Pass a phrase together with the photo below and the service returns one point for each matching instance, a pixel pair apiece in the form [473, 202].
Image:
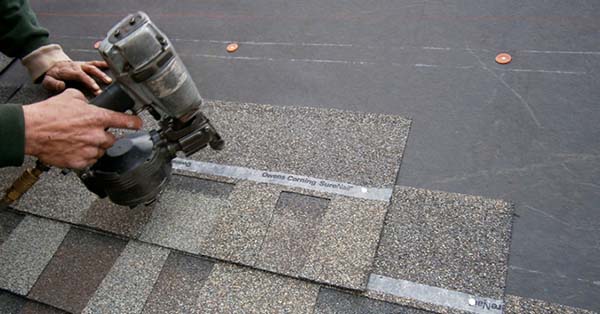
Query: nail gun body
[149, 76]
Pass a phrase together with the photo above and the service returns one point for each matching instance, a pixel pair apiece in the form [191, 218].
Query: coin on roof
[503, 58]
[233, 47]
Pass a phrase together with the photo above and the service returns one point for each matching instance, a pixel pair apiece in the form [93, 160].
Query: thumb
[52, 84]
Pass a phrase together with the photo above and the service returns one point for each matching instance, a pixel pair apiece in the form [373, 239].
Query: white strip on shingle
[27, 251]
[434, 295]
[286, 179]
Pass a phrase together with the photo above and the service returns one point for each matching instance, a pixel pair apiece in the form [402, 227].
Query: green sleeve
[12, 135]
[20, 33]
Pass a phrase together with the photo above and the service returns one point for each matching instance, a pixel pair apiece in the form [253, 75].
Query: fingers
[83, 77]
[119, 120]
[96, 72]
[107, 140]
[53, 85]
[73, 71]
[99, 64]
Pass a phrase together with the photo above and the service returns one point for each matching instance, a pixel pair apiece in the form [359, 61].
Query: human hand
[67, 132]
[62, 71]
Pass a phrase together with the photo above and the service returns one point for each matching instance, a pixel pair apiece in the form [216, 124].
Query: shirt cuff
[12, 135]
[42, 59]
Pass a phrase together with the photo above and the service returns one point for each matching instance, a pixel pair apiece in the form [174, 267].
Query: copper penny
[503, 58]
[233, 47]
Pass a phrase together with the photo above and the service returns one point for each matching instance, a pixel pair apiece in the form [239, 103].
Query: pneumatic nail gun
[149, 75]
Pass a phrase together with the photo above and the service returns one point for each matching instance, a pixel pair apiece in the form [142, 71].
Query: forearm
[20, 33]
[22, 37]
[12, 135]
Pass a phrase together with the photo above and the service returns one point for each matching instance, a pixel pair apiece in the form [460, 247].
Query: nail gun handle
[113, 98]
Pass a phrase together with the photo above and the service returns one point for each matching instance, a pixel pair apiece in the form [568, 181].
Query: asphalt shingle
[38, 308]
[76, 270]
[359, 148]
[346, 244]
[27, 251]
[9, 174]
[57, 196]
[8, 222]
[10, 303]
[30, 94]
[518, 305]
[186, 212]
[332, 301]
[117, 219]
[4, 61]
[446, 240]
[129, 282]
[234, 289]
[293, 228]
[178, 285]
[239, 232]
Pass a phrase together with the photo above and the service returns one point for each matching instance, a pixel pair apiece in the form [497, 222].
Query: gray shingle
[208, 188]
[292, 231]
[332, 301]
[29, 94]
[346, 244]
[57, 196]
[4, 61]
[359, 148]
[9, 174]
[520, 305]
[122, 220]
[76, 270]
[240, 230]
[184, 215]
[10, 303]
[38, 308]
[179, 284]
[27, 251]
[452, 241]
[8, 222]
[129, 282]
[234, 289]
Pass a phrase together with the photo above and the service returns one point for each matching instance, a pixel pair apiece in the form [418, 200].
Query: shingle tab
[333, 301]
[38, 308]
[27, 251]
[359, 148]
[240, 230]
[76, 270]
[346, 244]
[57, 196]
[234, 289]
[10, 303]
[446, 240]
[8, 222]
[184, 216]
[179, 284]
[129, 282]
[122, 220]
[292, 232]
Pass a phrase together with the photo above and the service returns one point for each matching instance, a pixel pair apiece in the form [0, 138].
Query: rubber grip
[113, 98]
